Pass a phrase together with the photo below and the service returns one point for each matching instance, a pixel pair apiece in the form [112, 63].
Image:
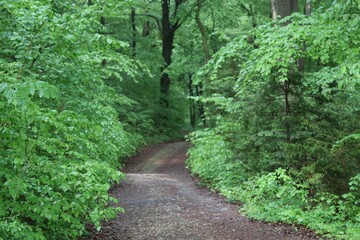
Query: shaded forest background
[269, 90]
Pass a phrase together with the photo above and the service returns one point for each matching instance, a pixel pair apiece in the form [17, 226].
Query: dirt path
[162, 202]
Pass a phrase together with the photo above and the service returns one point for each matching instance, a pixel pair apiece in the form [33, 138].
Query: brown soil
[162, 201]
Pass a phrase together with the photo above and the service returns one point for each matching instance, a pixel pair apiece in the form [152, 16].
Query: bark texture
[283, 8]
[133, 28]
[168, 34]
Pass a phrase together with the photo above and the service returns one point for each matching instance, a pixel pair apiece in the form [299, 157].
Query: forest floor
[162, 201]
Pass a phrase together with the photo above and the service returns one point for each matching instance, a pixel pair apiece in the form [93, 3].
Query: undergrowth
[274, 196]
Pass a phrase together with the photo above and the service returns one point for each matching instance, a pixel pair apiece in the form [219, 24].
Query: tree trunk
[202, 32]
[167, 47]
[133, 27]
[192, 102]
[204, 43]
[199, 93]
[307, 12]
[283, 8]
[252, 15]
[287, 93]
[308, 8]
[168, 34]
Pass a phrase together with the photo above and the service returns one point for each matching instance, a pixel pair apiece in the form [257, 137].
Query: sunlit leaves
[17, 93]
[60, 135]
[287, 95]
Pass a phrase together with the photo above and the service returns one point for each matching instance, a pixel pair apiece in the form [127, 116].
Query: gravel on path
[162, 201]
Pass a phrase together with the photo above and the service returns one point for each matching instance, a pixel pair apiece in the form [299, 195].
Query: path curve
[162, 201]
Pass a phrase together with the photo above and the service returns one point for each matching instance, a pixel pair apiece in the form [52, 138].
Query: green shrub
[213, 161]
[61, 138]
[276, 196]
[291, 130]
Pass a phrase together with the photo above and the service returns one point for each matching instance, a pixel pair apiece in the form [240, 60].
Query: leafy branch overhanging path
[162, 201]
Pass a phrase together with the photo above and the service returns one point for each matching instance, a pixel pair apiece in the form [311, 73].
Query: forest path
[162, 201]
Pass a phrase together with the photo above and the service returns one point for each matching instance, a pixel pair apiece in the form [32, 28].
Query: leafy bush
[57, 203]
[274, 192]
[61, 139]
[291, 130]
[277, 197]
[213, 161]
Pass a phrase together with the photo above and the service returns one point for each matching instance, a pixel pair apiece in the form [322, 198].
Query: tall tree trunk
[168, 34]
[308, 8]
[202, 31]
[252, 14]
[283, 8]
[192, 102]
[167, 48]
[307, 12]
[204, 43]
[133, 28]
[199, 93]
[287, 93]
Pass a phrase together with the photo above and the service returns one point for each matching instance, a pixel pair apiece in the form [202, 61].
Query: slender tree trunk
[253, 18]
[204, 43]
[287, 110]
[307, 12]
[133, 27]
[199, 93]
[192, 102]
[168, 34]
[103, 23]
[102, 20]
[202, 31]
[281, 9]
[146, 29]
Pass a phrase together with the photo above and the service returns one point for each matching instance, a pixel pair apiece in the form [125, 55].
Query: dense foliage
[282, 131]
[70, 109]
[85, 83]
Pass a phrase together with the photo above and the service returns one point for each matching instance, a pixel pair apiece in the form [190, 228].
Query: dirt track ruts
[162, 201]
